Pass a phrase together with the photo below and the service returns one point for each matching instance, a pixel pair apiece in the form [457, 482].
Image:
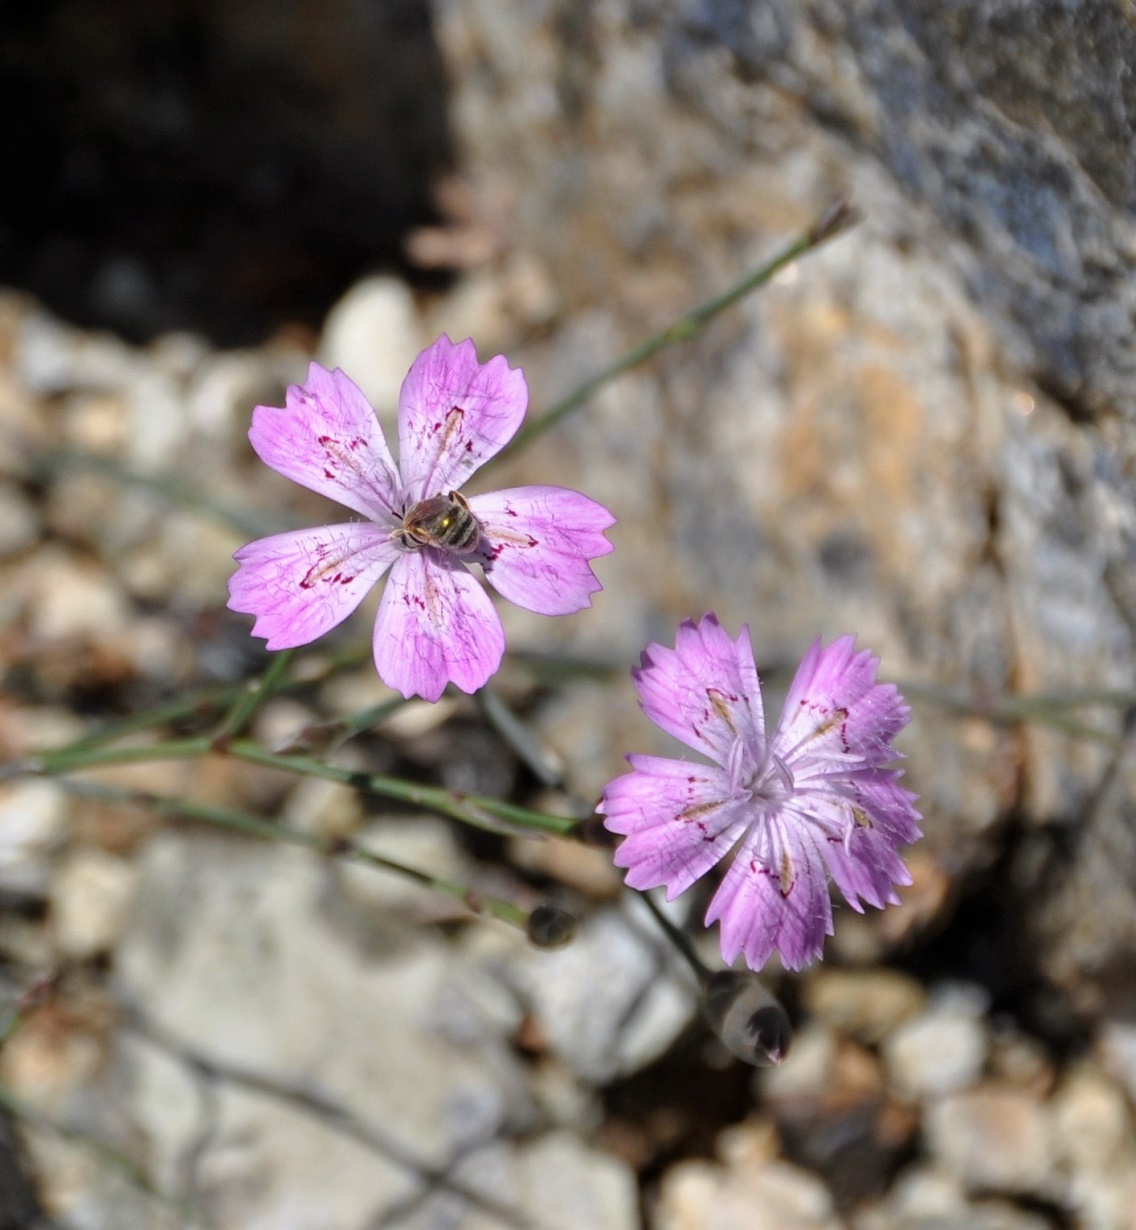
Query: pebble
[808, 1070]
[1092, 1126]
[373, 333]
[421, 842]
[225, 388]
[995, 1139]
[52, 357]
[323, 808]
[864, 1004]
[33, 822]
[936, 1052]
[697, 1195]
[611, 1001]
[90, 897]
[565, 1184]
[72, 598]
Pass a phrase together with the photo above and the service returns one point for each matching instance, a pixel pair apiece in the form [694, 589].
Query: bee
[442, 521]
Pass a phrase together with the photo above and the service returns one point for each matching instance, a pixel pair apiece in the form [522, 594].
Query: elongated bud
[550, 926]
[750, 1022]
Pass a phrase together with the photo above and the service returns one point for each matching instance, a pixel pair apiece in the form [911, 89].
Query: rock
[302, 1007]
[611, 1001]
[698, 1195]
[323, 809]
[995, 1139]
[866, 1005]
[840, 1122]
[425, 843]
[923, 434]
[70, 598]
[926, 1199]
[808, 1070]
[33, 822]
[374, 334]
[564, 1184]
[1096, 1144]
[91, 895]
[940, 1050]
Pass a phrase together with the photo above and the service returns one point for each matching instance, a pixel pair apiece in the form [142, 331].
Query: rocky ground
[223, 1031]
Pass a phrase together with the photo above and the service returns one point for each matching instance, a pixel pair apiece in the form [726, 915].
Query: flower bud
[550, 926]
[750, 1022]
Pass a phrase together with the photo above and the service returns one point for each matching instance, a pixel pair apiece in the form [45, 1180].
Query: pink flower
[814, 800]
[436, 624]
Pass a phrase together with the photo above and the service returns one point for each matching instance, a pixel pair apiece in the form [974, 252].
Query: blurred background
[922, 433]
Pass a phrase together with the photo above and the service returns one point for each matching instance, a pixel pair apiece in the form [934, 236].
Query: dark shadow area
[226, 166]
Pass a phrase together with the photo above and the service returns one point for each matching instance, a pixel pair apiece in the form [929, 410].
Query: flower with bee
[435, 624]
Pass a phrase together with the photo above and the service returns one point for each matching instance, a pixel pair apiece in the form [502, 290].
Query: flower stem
[678, 939]
[1044, 708]
[338, 848]
[478, 810]
[837, 218]
[251, 696]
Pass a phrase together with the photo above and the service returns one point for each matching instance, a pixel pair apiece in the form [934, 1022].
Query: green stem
[475, 809]
[200, 703]
[836, 219]
[1042, 708]
[338, 848]
[251, 696]
[679, 939]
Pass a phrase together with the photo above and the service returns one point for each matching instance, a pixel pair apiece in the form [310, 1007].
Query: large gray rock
[923, 433]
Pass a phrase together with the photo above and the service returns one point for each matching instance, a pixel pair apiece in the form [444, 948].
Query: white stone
[776, 1196]
[994, 1138]
[423, 843]
[610, 1001]
[90, 897]
[374, 334]
[924, 1192]
[33, 821]
[567, 1185]
[935, 1052]
[71, 598]
[323, 808]
[237, 949]
[808, 1068]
